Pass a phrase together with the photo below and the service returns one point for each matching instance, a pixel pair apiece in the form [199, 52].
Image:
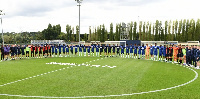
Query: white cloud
[35, 15]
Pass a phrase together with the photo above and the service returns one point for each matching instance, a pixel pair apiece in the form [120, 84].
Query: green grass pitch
[35, 78]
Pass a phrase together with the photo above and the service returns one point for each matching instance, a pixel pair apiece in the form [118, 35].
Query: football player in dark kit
[71, 49]
[32, 51]
[188, 56]
[40, 50]
[22, 50]
[64, 49]
[113, 49]
[49, 50]
[15, 50]
[27, 51]
[36, 51]
[198, 57]
[109, 50]
[101, 50]
[118, 48]
[18, 52]
[105, 51]
[12, 49]
[2, 53]
[180, 54]
[192, 55]
[170, 53]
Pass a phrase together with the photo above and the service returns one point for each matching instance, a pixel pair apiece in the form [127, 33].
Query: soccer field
[93, 77]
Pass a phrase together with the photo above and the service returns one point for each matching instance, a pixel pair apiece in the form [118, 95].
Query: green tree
[169, 38]
[157, 35]
[117, 37]
[131, 31]
[68, 30]
[77, 33]
[197, 31]
[135, 31]
[144, 32]
[140, 31]
[166, 34]
[111, 32]
[178, 37]
[150, 35]
[183, 38]
[85, 37]
[90, 34]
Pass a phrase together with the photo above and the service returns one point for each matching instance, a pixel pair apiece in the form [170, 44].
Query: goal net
[119, 43]
[192, 42]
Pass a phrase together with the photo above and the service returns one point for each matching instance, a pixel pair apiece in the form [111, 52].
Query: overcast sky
[35, 15]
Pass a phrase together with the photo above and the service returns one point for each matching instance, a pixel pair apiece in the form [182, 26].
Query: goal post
[119, 43]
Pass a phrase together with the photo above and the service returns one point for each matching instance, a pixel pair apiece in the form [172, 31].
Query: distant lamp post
[79, 4]
[1, 13]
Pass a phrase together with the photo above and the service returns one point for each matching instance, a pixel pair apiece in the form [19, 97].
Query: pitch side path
[96, 77]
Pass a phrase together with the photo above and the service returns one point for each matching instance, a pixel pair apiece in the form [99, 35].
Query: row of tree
[182, 30]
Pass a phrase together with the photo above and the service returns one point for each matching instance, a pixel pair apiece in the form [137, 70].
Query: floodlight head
[79, 1]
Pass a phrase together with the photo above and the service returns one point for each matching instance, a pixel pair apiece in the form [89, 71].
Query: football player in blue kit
[160, 52]
[155, 52]
[80, 50]
[122, 50]
[139, 50]
[52, 49]
[59, 47]
[135, 51]
[88, 50]
[67, 50]
[84, 50]
[143, 51]
[76, 49]
[56, 50]
[92, 49]
[131, 51]
[127, 51]
[97, 50]
[63, 48]
[151, 52]
[164, 53]
[71, 49]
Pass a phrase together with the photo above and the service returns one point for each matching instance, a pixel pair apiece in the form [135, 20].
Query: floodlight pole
[1, 24]
[79, 4]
